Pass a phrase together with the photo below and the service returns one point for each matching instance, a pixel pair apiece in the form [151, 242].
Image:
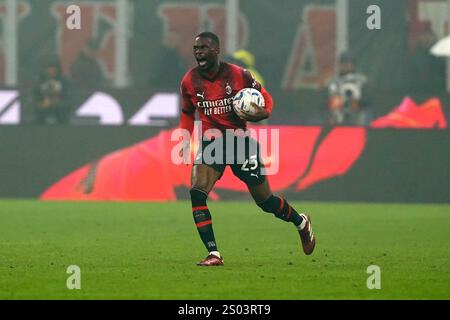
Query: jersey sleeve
[267, 99]
[250, 81]
[187, 116]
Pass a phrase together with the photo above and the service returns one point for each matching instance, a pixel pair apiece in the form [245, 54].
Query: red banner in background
[408, 114]
[145, 171]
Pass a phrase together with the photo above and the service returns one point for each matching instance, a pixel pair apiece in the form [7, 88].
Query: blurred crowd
[349, 92]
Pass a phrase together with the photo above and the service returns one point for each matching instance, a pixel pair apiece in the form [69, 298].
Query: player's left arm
[261, 113]
[258, 113]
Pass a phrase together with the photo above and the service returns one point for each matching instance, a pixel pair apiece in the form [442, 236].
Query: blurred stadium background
[121, 74]
[122, 71]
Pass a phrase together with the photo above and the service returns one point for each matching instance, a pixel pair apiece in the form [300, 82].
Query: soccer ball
[243, 99]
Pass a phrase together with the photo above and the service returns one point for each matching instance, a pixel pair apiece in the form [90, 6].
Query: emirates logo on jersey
[215, 103]
[215, 107]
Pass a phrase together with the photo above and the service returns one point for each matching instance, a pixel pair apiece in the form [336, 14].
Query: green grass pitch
[149, 251]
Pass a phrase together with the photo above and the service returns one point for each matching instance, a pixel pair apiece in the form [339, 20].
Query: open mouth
[202, 62]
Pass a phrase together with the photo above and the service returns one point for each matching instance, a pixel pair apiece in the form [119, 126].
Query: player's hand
[335, 102]
[46, 103]
[185, 151]
[258, 114]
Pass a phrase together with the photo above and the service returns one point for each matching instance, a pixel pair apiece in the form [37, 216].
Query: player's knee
[198, 194]
[201, 184]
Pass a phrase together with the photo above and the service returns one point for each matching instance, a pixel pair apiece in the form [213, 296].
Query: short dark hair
[211, 36]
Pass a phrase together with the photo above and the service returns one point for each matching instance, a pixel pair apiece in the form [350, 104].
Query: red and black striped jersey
[213, 98]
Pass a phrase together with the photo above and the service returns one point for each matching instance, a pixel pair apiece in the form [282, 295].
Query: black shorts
[242, 154]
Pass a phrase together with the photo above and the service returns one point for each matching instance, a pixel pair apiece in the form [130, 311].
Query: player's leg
[282, 210]
[41, 115]
[337, 116]
[203, 179]
[250, 172]
[62, 113]
[278, 206]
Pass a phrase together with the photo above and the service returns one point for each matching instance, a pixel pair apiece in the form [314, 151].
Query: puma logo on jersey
[254, 175]
[202, 95]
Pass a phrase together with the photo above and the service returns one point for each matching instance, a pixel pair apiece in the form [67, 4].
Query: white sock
[216, 253]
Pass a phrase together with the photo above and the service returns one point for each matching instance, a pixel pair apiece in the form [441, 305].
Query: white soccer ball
[243, 99]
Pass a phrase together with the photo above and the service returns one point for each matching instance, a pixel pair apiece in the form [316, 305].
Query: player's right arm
[187, 116]
[335, 100]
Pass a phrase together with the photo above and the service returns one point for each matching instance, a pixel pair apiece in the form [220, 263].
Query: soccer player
[209, 89]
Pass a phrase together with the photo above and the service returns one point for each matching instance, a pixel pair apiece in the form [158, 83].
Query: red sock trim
[281, 205]
[199, 208]
[203, 223]
[289, 213]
